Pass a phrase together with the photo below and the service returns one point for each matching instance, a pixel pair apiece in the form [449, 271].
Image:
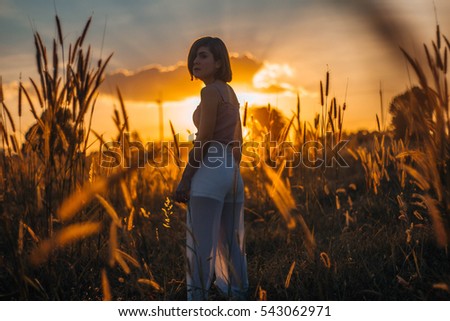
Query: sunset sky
[279, 48]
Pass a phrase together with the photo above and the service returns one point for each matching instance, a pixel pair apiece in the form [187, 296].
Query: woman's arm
[207, 125]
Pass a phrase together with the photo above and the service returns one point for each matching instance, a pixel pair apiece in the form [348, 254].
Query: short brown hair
[219, 52]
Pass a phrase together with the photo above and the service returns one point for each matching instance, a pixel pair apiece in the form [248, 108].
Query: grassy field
[79, 225]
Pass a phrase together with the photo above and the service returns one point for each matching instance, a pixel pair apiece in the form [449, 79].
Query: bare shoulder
[209, 91]
[209, 97]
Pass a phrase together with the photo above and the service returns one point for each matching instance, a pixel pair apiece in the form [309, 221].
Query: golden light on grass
[262, 294]
[325, 259]
[30, 232]
[289, 275]
[425, 174]
[112, 244]
[66, 236]
[119, 259]
[109, 210]
[281, 194]
[22, 228]
[338, 204]
[438, 224]
[126, 194]
[441, 286]
[418, 215]
[75, 232]
[78, 200]
[128, 258]
[348, 218]
[151, 283]
[106, 289]
[130, 220]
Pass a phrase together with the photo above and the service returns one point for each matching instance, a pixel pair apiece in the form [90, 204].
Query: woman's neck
[209, 81]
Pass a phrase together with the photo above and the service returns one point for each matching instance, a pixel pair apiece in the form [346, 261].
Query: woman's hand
[182, 191]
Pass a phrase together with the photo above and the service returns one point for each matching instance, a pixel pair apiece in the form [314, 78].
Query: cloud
[244, 68]
[172, 83]
[274, 78]
[152, 83]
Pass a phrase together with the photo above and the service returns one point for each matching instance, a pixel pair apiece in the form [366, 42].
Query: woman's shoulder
[223, 90]
[210, 91]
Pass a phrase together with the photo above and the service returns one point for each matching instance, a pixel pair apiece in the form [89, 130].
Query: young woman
[211, 183]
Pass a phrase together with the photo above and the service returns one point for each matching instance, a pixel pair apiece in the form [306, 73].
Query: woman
[211, 183]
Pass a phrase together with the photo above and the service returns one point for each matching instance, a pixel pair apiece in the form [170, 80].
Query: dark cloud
[173, 84]
[152, 83]
[244, 68]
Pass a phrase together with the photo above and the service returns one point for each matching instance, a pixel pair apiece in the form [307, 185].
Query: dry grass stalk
[325, 259]
[110, 210]
[431, 122]
[113, 244]
[338, 203]
[441, 286]
[30, 232]
[66, 236]
[78, 200]
[438, 224]
[151, 283]
[420, 181]
[126, 194]
[20, 238]
[130, 220]
[281, 194]
[244, 122]
[289, 275]
[262, 294]
[124, 111]
[299, 123]
[177, 155]
[8, 114]
[119, 259]
[106, 289]
[426, 171]
[128, 258]
[310, 241]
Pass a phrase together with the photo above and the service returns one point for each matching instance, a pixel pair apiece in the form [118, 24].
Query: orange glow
[256, 83]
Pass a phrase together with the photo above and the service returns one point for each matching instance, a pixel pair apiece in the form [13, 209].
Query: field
[366, 220]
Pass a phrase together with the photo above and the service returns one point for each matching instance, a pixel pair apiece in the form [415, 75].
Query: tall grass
[56, 197]
[422, 156]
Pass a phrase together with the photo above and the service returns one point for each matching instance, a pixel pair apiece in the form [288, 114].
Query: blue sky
[305, 37]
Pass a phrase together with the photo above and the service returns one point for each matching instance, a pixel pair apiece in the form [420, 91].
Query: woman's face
[204, 66]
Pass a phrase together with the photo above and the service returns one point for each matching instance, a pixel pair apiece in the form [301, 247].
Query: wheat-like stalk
[66, 236]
